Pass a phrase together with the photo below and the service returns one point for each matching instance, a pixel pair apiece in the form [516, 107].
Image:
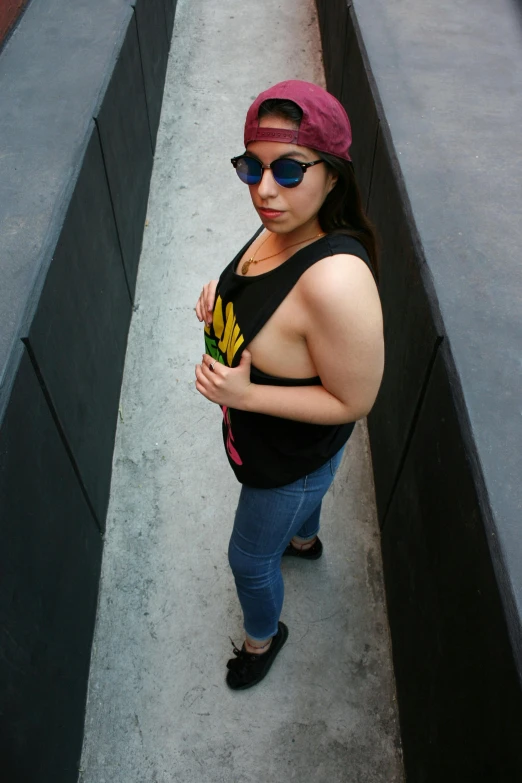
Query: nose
[268, 187]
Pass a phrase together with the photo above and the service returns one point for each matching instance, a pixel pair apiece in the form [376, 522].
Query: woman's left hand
[225, 385]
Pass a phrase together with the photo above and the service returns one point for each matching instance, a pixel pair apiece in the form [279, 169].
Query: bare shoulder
[343, 329]
[338, 279]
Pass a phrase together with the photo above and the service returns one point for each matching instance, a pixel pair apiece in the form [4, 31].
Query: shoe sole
[278, 645]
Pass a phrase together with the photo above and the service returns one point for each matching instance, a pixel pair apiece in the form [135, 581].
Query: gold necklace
[253, 260]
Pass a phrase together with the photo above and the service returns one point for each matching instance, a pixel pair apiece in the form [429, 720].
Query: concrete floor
[158, 707]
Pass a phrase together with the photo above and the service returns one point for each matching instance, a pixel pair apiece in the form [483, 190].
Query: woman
[294, 347]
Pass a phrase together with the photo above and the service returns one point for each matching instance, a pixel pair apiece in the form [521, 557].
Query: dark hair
[342, 211]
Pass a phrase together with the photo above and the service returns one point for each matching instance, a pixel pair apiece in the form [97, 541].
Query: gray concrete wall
[158, 707]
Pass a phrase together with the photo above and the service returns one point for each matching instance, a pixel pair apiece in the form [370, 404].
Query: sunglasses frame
[303, 166]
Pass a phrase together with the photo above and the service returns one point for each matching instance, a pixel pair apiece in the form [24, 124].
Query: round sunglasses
[287, 172]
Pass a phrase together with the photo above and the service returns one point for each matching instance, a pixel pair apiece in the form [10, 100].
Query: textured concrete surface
[158, 707]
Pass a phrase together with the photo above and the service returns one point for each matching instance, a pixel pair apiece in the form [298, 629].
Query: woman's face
[283, 210]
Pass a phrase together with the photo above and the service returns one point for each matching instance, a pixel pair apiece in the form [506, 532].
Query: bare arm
[311, 404]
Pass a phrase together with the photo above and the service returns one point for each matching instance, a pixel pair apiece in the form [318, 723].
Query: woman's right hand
[205, 303]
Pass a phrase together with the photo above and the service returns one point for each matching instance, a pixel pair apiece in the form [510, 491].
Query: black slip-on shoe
[248, 669]
[312, 553]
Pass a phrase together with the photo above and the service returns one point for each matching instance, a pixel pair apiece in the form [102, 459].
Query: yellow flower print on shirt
[227, 333]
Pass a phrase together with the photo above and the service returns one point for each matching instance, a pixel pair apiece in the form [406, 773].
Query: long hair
[342, 211]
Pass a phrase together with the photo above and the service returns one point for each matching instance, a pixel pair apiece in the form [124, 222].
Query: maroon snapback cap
[325, 126]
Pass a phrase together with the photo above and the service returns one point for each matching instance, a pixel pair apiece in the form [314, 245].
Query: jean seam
[301, 501]
[272, 590]
[272, 598]
[298, 509]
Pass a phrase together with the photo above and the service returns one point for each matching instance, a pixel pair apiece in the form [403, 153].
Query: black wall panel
[154, 48]
[459, 696]
[356, 97]
[79, 332]
[333, 18]
[346, 78]
[322, 15]
[49, 564]
[409, 329]
[127, 149]
[170, 10]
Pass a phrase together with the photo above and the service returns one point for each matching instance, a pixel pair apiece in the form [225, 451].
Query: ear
[333, 176]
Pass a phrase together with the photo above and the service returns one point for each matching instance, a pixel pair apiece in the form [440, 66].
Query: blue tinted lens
[249, 170]
[287, 173]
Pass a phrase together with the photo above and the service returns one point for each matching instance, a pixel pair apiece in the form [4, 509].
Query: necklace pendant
[246, 266]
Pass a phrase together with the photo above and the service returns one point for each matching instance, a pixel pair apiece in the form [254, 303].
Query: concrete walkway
[158, 707]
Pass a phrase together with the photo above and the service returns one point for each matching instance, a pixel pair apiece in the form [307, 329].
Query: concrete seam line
[122, 257]
[344, 53]
[413, 424]
[504, 582]
[143, 79]
[60, 430]
[377, 134]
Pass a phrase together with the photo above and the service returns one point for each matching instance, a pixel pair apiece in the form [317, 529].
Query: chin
[274, 226]
[275, 229]
[277, 226]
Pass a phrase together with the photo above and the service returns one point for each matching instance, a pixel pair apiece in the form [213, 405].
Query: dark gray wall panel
[170, 10]
[79, 332]
[409, 329]
[322, 14]
[358, 101]
[126, 144]
[154, 48]
[459, 696]
[333, 17]
[50, 556]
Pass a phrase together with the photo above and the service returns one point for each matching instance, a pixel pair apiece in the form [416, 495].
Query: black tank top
[269, 451]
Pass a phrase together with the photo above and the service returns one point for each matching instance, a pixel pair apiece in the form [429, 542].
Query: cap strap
[275, 134]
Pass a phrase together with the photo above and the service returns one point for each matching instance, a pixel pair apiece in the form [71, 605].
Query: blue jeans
[265, 522]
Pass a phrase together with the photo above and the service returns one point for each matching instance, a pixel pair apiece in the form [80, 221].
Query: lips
[269, 213]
